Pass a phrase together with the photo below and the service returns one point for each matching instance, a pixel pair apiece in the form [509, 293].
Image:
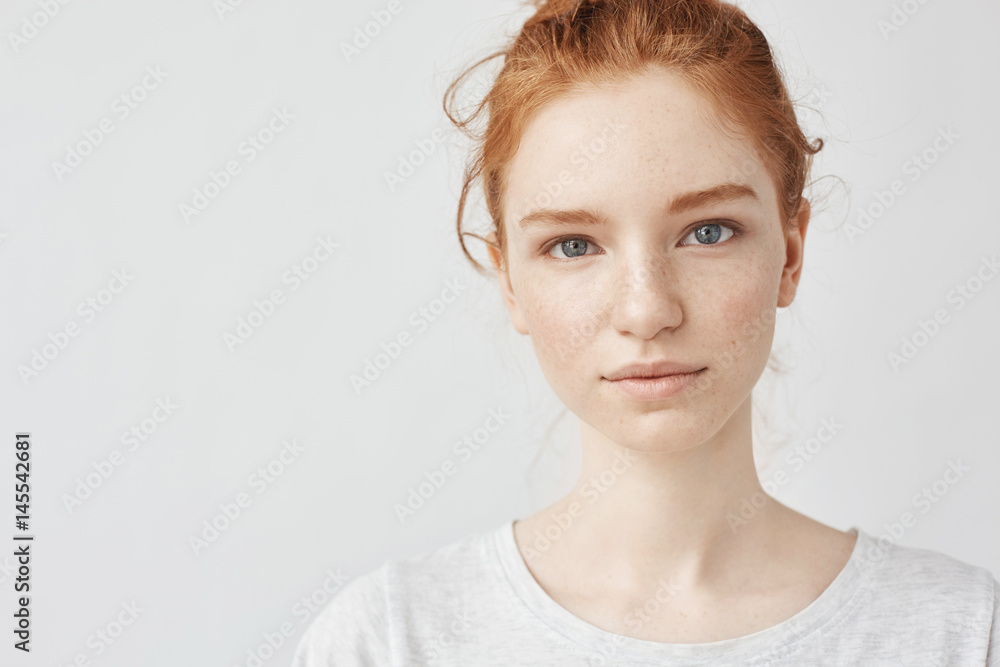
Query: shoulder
[928, 589]
[444, 571]
[360, 625]
[925, 574]
[352, 629]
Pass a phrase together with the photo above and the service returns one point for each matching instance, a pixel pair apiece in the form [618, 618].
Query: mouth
[653, 376]
[640, 386]
[651, 370]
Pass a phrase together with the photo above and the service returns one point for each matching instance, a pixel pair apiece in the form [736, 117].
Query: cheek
[737, 320]
[564, 318]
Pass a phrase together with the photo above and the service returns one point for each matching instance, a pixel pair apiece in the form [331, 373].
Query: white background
[881, 98]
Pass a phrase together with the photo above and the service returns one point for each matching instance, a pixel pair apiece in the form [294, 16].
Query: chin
[665, 430]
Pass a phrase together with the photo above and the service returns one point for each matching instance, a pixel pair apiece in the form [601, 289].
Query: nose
[647, 299]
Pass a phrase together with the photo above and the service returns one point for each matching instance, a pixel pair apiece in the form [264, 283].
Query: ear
[503, 277]
[795, 241]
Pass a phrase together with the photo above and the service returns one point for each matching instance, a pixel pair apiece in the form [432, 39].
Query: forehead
[625, 146]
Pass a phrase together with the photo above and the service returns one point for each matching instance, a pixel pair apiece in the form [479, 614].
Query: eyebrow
[687, 201]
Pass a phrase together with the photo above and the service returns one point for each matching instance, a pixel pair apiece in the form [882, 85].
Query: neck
[634, 518]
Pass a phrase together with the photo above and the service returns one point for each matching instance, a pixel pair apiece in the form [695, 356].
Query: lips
[652, 369]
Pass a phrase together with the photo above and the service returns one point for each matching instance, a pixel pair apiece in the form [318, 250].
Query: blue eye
[571, 247]
[710, 234]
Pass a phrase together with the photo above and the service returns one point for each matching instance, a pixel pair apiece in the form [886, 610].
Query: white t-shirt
[474, 603]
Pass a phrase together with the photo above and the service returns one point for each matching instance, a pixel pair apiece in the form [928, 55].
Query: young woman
[644, 172]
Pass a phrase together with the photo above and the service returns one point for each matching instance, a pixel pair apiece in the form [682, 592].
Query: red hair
[713, 45]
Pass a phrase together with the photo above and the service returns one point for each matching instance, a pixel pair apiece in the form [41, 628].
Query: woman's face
[618, 253]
